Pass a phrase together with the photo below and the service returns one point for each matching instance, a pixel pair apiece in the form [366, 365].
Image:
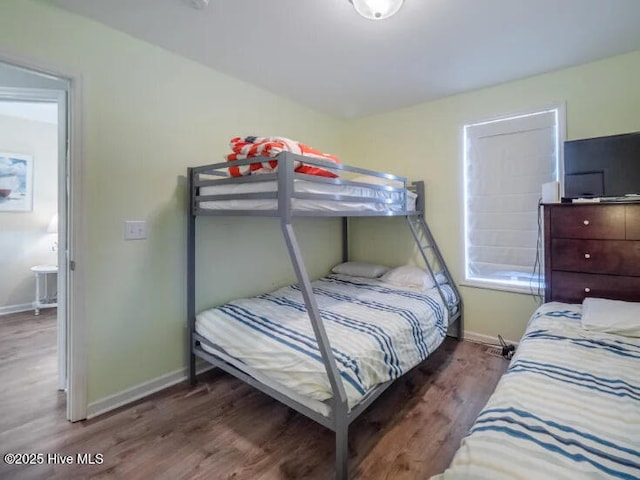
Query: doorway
[25, 84]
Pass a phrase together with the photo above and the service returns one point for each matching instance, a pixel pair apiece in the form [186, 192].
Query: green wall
[425, 142]
[148, 115]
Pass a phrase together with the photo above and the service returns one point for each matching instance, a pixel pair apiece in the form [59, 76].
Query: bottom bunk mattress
[568, 407]
[377, 333]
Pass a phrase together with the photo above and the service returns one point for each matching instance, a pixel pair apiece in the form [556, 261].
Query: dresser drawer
[632, 213]
[617, 257]
[574, 287]
[588, 221]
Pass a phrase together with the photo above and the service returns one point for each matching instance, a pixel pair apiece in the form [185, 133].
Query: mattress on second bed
[568, 407]
[304, 186]
[377, 332]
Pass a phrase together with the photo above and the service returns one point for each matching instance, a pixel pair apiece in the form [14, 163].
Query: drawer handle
[587, 255]
[586, 222]
[587, 290]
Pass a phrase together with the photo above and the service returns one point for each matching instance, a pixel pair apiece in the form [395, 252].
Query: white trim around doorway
[75, 259]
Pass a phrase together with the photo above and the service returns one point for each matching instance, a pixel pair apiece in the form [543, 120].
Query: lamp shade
[377, 9]
[53, 224]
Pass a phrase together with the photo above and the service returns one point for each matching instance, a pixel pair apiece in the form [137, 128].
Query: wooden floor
[223, 429]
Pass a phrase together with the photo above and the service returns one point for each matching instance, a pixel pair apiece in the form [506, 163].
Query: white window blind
[506, 162]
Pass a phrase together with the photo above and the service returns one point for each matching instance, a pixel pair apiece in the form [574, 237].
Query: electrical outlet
[135, 230]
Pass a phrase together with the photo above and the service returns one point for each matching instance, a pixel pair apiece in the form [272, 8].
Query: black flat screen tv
[602, 166]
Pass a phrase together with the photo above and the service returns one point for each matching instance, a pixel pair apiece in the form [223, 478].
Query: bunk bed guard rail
[284, 193]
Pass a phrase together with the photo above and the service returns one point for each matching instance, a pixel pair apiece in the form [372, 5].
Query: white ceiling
[320, 53]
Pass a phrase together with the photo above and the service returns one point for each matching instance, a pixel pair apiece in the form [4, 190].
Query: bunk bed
[336, 386]
[568, 407]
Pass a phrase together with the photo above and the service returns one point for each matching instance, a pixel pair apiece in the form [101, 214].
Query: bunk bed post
[345, 239]
[191, 275]
[342, 447]
[340, 408]
[421, 201]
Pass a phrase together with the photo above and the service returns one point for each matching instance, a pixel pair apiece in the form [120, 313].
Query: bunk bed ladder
[437, 267]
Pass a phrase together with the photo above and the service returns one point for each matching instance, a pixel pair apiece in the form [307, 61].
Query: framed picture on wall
[16, 182]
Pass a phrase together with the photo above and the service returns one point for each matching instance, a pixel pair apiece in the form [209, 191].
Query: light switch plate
[135, 230]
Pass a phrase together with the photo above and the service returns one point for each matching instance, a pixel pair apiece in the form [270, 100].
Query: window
[506, 162]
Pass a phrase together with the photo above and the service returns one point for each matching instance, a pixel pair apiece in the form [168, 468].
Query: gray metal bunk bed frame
[339, 417]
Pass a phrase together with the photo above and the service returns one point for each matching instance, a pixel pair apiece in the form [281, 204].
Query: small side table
[43, 298]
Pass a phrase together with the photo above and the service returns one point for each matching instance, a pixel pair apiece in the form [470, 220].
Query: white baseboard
[486, 339]
[9, 309]
[145, 389]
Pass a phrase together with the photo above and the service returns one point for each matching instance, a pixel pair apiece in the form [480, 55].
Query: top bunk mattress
[369, 203]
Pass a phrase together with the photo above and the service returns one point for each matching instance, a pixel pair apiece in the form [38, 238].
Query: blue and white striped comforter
[567, 408]
[377, 332]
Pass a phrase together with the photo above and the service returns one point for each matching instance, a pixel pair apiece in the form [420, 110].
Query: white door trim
[63, 250]
[75, 265]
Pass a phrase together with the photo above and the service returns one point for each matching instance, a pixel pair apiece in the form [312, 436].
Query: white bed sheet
[567, 408]
[317, 406]
[304, 186]
[377, 332]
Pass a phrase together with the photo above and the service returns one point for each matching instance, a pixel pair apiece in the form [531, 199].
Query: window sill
[502, 287]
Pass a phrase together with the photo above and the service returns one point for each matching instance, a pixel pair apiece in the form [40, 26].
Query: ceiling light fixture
[199, 4]
[377, 9]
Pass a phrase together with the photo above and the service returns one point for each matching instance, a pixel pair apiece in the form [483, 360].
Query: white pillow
[441, 278]
[360, 269]
[409, 276]
[611, 316]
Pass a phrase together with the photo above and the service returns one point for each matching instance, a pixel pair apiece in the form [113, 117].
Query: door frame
[72, 254]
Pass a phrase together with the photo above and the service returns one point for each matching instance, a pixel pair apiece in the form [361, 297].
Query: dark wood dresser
[592, 250]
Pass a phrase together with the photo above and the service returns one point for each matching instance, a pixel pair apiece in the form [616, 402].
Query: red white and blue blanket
[251, 147]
